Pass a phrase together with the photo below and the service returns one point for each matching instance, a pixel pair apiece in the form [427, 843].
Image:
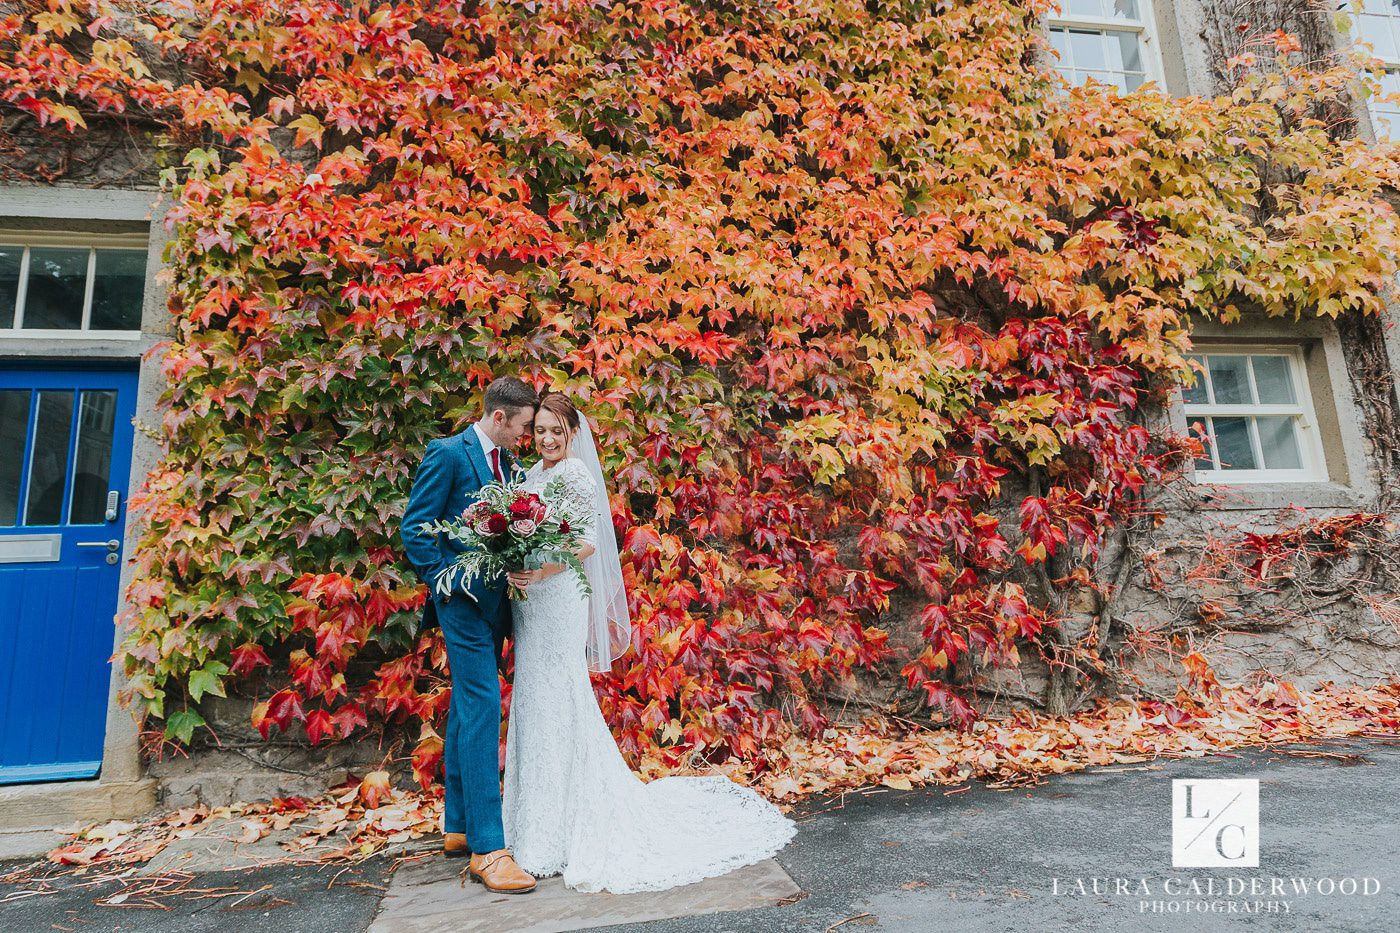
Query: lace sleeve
[582, 492]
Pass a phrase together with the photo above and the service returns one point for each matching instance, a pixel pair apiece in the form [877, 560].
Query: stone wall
[1311, 618]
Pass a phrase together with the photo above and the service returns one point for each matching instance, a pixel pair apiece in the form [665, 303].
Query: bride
[571, 805]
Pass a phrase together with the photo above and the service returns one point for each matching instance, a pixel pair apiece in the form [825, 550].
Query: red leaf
[318, 725]
[247, 658]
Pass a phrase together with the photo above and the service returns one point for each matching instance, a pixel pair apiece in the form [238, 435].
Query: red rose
[520, 507]
[564, 526]
[497, 524]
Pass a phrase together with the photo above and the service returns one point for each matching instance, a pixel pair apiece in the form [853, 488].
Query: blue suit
[474, 623]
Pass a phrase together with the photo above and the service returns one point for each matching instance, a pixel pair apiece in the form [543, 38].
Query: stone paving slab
[216, 849]
[431, 897]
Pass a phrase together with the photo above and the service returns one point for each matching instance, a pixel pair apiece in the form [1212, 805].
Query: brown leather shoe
[454, 845]
[498, 872]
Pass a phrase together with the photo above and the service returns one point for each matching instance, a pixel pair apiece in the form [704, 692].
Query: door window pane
[1232, 442]
[1273, 380]
[1229, 379]
[48, 467]
[10, 257]
[97, 412]
[14, 427]
[117, 286]
[53, 297]
[1278, 442]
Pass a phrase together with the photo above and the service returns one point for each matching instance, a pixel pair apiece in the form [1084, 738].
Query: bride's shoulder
[572, 466]
[573, 470]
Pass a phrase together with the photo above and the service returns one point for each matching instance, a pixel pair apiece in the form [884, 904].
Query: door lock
[113, 497]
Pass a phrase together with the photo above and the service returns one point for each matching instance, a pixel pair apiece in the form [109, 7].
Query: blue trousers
[470, 749]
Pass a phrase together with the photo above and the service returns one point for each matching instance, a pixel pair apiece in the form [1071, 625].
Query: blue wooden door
[65, 455]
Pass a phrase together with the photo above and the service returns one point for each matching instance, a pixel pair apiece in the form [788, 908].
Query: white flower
[523, 526]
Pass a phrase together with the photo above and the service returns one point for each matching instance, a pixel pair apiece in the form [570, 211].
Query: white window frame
[1145, 28]
[1385, 128]
[27, 240]
[1314, 468]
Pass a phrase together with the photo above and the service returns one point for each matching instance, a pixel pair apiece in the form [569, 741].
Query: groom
[475, 622]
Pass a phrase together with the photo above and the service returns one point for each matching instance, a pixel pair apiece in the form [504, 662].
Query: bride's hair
[558, 404]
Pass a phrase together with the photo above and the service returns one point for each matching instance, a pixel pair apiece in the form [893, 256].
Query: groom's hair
[507, 394]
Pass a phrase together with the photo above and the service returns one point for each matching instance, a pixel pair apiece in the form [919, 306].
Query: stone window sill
[1268, 497]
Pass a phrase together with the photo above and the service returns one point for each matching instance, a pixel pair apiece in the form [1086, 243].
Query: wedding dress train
[571, 804]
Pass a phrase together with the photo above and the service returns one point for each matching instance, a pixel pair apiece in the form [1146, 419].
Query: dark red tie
[496, 464]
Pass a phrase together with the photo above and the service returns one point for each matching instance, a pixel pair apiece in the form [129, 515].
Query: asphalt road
[980, 860]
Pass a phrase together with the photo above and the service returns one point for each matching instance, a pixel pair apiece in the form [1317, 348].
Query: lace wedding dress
[571, 805]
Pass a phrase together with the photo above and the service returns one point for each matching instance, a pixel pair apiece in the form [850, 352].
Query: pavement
[1085, 851]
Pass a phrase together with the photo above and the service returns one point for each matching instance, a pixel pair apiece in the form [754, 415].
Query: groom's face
[507, 429]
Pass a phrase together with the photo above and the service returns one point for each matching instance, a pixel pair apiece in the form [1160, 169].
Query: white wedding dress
[571, 805]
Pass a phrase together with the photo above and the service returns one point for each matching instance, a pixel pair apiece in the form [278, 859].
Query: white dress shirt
[488, 445]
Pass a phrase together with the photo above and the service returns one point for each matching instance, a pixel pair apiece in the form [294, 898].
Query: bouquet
[507, 529]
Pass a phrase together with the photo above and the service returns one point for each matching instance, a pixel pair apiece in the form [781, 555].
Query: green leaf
[205, 681]
[181, 725]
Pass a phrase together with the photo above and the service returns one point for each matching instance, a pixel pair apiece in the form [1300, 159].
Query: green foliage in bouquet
[508, 529]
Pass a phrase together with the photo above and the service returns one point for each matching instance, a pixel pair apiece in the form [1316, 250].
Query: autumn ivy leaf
[208, 679]
[318, 725]
[180, 725]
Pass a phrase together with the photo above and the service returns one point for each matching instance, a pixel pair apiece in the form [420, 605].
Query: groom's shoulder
[449, 442]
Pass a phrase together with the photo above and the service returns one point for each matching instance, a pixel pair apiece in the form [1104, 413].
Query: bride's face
[552, 436]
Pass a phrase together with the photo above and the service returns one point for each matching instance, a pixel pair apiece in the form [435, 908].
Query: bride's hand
[523, 578]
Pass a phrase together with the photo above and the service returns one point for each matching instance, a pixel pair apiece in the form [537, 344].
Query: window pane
[1273, 380]
[1129, 53]
[1087, 49]
[1375, 29]
[1205, 462]
[1229, 378]
[48, 467]
[1278, 442]
[10, 257]
[14, 427]
[97, 414]
[57, 284]
[1196, 394]
[1232, 443]
[1385, 111]
[1059, 40]
[1100, 9]
[117, 288]
[1082, 7]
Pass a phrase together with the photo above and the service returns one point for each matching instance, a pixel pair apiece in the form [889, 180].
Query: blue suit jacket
[452, 473]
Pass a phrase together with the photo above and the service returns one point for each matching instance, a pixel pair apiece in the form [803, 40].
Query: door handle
[109, 545]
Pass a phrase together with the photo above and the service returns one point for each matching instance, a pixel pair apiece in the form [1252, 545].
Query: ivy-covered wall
[879, 325]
